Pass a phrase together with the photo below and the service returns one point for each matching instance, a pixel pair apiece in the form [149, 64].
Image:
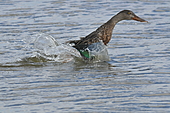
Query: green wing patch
[85, 53]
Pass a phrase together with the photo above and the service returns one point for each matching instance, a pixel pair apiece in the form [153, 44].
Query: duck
[103, 33]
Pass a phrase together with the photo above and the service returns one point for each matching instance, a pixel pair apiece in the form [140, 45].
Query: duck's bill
[139, 19]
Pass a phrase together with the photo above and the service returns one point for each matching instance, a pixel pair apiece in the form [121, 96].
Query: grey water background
[135, 80]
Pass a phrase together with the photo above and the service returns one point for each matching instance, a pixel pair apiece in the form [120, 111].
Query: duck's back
[103, 33]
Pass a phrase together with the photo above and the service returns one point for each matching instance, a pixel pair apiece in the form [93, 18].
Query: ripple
[30, 103]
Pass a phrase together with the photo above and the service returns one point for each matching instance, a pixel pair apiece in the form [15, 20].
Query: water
[46, 47]
[136, 79]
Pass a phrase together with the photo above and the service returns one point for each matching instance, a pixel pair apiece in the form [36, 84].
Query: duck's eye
[129, 13]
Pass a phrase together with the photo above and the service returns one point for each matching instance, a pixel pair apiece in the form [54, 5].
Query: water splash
[95, 52]
[99, 51]
[48, 49]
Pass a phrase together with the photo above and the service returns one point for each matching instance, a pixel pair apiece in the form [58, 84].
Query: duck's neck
[106, 29]
[114, 20]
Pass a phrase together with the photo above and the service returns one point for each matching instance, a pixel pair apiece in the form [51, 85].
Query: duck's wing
[85, 41]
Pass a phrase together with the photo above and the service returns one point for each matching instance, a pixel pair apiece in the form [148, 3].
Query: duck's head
[129, 15]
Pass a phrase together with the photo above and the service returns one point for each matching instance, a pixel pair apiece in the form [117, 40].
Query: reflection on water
[136, 79]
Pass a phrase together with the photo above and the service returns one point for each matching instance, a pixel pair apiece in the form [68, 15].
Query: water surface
[136, 79]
